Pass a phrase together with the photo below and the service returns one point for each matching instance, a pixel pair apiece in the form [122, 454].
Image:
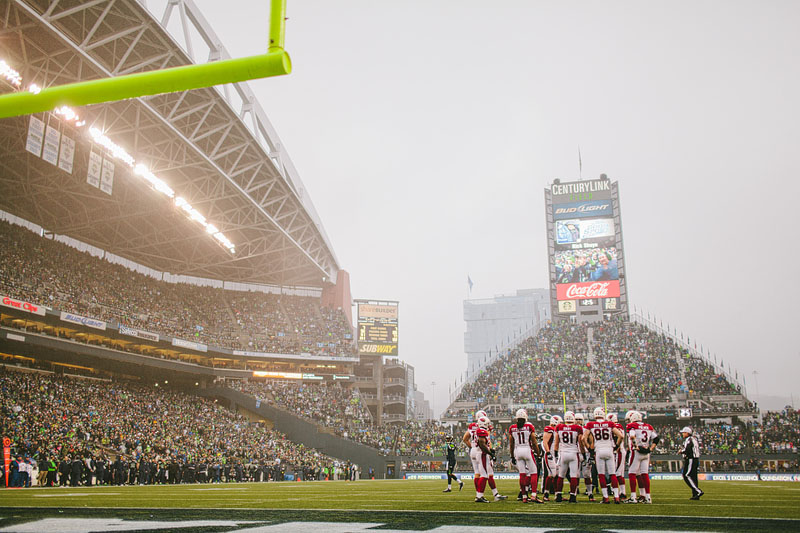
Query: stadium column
[379, 377]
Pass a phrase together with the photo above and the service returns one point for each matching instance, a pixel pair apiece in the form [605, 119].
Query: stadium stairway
[309, 434]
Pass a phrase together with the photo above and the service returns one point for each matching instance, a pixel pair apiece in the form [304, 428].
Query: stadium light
[115, 149]
[157, 183]
[11, 75]
[275, 62]
[69, 115]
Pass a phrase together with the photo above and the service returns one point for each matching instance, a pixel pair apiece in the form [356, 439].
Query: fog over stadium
[426, 132]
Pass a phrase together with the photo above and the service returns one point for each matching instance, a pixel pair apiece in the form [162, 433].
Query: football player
[470, 439]
[549, 459]
[586, 462]
[569, 443]
[485, 454]
[604, 439]
[643, 440]
[450, 450]
[619, 457]
[492, 459]
[522, 443]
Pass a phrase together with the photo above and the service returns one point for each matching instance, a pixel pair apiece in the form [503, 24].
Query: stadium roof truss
[215, 147]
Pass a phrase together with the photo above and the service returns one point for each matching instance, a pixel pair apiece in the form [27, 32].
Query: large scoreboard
[377, 327]
[584, 242]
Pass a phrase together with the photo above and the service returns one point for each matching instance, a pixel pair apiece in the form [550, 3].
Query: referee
[450, 448]
[690, 449]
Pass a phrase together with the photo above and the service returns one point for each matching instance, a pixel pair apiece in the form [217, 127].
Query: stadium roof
[215, 147]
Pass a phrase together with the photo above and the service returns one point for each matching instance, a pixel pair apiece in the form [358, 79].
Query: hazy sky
[426, 131]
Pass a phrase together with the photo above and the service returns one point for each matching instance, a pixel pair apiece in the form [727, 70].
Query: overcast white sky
[426, 131]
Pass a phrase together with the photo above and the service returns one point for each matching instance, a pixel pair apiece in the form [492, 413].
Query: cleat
[642, 499]
[519, 497]
[524, 500]
[616, 501]
[700, 494]
[535, 500]
[481, 500]
[460, 485]
[648, 501]
[573, 498]
[631, 500]
[546, 498]
[558, 498]
[695, 497]
[447, 490]
[500, 497]
[591, 497]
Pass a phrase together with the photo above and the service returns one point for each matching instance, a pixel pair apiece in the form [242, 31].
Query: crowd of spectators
[626, 360]
[633, 363]
[536, 371]
[47, 272]
[330, 405]
[778, 432]
[78, 420]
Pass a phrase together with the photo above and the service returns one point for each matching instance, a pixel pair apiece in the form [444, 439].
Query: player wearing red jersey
[522, 443]
[470, 439]
[549, 459]
[569, 444]
[602, 437]
[643, 439]
[484, 453]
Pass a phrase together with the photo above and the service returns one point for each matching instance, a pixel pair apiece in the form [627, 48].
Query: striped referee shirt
[690, 448]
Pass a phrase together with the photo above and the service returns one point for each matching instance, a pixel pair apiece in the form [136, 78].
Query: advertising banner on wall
[592, 289]
[22, 305]
[191, 345]
[596, 208]
[146, 335]
[581, 191]
[83, 320]
[576, 234]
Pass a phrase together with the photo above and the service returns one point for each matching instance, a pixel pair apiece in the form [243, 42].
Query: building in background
[585, 251]
[422, 407]
[496, 324]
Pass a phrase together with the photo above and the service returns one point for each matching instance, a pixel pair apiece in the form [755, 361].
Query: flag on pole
[469, 282]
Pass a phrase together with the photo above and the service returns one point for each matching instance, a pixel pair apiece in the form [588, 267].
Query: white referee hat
[687, 429]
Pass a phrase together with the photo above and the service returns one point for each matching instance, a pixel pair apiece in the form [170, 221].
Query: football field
[388, 505]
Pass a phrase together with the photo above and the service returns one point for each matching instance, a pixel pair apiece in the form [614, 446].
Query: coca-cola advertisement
[579, 266]
[591, 289]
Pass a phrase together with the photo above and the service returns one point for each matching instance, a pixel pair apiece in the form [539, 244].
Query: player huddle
[569, 448]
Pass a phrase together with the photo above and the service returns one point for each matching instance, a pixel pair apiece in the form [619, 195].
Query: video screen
[579, 266]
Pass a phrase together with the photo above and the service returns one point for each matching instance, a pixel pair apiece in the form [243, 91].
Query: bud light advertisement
[595, 208]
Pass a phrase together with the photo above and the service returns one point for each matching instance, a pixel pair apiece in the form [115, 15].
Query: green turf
[403, 504]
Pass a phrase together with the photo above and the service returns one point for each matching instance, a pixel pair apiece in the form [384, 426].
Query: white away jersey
[521, 435]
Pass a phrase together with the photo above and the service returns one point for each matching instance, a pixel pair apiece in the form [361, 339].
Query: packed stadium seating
[46, 415]
[54, 274]
[631, 363]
